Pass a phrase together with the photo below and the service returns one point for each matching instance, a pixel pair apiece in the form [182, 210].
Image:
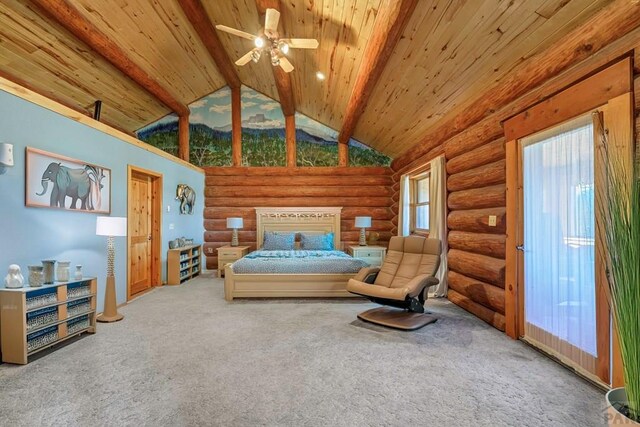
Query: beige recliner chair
[402, 281]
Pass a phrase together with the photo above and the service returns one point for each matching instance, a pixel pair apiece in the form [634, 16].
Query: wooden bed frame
[308, 220]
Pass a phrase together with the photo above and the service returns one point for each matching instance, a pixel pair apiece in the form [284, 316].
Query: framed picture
[59, 182]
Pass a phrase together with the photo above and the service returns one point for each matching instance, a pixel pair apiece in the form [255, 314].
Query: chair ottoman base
[398, 319]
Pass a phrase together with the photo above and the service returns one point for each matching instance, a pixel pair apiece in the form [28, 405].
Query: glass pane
[423, 190]
[559, 236]
[422, 217]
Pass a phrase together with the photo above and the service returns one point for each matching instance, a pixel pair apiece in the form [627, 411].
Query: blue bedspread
[298, 262]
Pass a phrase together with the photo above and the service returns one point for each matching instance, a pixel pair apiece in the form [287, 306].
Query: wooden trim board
[51, 105]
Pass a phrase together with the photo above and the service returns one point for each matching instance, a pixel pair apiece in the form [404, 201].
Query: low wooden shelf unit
[34, 319]
[183, 264]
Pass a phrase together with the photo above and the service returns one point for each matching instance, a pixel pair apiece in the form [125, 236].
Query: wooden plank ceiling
[448, 53]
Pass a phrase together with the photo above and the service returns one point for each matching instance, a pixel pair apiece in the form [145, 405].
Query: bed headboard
[310, 220]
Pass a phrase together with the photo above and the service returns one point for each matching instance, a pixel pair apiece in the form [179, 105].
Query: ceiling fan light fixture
[259, 42]
[275, 60]
[283, 47]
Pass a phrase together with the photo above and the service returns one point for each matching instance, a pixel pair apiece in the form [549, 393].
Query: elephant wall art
[54, 181]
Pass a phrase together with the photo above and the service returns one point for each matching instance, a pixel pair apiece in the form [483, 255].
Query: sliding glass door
[558, 226]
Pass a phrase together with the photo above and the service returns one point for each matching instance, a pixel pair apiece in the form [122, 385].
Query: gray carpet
[185, 357]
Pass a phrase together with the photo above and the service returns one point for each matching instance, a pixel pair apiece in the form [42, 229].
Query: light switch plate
[171, 226]
[168, 208]
[492, 220]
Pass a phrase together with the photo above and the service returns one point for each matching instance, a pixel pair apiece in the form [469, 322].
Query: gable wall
[475, 159]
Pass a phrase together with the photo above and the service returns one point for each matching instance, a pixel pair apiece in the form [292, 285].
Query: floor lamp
[111, 227]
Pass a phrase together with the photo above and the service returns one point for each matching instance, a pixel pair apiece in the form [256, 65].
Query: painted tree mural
[263, 135]
[263, 139]
[209, 131]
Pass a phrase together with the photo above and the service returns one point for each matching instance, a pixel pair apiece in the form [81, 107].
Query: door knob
[520, 248]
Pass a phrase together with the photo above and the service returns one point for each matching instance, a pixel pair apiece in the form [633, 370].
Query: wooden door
[143, 224]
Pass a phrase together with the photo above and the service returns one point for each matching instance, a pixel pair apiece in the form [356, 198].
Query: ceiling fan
[269, 42]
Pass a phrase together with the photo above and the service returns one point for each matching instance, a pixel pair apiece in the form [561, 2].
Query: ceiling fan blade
[301, 43]
[271, 21]
[286, 65]
[245, 58]
[235, 32]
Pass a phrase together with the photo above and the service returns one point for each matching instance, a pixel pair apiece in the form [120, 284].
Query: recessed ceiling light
[319, 75]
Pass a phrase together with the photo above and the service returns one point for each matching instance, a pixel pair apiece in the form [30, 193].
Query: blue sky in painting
[213, 110]
[255, 104]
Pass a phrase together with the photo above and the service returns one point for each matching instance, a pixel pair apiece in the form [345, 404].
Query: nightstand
[373, 255]
[228, 254]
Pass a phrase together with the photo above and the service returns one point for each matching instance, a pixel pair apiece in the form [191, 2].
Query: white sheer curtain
[404, 222]
[438, 218]
[559, 239]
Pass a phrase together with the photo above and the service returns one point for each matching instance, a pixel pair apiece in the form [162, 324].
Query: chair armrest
[419, 283]
[367, 274]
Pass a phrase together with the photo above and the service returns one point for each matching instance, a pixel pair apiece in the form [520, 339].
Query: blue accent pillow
[278, 241]
[316, 242]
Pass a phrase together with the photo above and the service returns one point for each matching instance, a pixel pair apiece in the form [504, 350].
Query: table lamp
[111, 227]
[234, 223]
[363, 222]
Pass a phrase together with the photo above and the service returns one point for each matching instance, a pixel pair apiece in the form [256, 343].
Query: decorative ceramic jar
[62, 271]
[49, 273]
[36, 275]
[14, 277]
[78, 273]
[617, 402]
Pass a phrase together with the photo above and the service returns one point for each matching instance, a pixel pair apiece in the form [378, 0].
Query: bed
[296, 273]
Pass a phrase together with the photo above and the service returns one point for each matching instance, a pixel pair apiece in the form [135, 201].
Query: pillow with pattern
[274, 241]
[316, 242]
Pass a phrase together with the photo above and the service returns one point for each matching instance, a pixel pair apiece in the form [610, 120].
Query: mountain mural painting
[263, 135]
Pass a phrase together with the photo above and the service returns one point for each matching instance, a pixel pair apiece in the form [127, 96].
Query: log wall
[237, 191]
[475, 164]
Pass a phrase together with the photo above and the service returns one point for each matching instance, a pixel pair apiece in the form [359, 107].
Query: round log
[491, 317]
[217, 212]
[487, 153]
[477, 198]
[483, 176]
[477, 220]
[486, 294]
[297, 171]
[284, 181]
[297, 191]
[482, 267]
[480, 243]
[297, 201]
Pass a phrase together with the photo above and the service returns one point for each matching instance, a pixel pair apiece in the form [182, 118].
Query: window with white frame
[419, 202]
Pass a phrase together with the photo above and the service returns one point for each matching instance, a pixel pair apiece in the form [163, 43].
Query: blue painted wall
[29, 235]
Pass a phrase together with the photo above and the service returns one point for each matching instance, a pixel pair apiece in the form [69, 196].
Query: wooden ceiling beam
[392, 18]
[70, 18]
[282, 79]
[197, 15]
[609, 24]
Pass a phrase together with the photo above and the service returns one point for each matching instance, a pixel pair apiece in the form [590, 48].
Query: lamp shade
[6, 154]
[111, 226]
[234, 223]
[363, 221]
